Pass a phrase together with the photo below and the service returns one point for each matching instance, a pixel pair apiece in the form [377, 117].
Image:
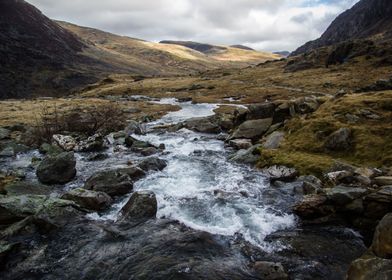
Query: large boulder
[94, 143]
[152, 164]
[111, 182]
[260, 111]
[382, 241]
[91, 200]
[66, 142]
[15, 208]
[313, 206]
[240, 144]
[57, 169]
[342, 195]
[203, 125]
[340, 140]
[252, 129]
[249, 156]
[273, 140]
[370, 267]
[22, 188]
[141, 205]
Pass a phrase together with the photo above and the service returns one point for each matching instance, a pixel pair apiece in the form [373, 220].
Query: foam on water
[202, 189]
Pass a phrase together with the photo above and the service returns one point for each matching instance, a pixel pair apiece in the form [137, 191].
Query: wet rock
[339, 140]
[253, 129]
[57, 169]
[341, 195]
[134, 127]
[4, 133]
[281, 173]
[149, 151]
[240, 144]
[270, 271]
[309, 185]
[48, 149]
[383, 195]
[273, 140]
[152, 164]
[111, 182]
[66, 142]
[133, 143]
[94, 143]
[370, 267]
[98, 157]
[203, 125]
[141, 205]
[91, 200]
[382, 242]
[22, 188]
[134, 172]
[313, 206]
[260, 111]
[7, 152]
[15, 208]
[249, 156]
[383, 180]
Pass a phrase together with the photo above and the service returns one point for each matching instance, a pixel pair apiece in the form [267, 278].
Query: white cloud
[262, 24]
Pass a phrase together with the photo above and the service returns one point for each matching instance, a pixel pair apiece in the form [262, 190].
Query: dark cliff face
[367, 18]
[34, 51]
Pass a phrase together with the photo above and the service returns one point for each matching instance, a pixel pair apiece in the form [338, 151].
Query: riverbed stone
[93, 143]
[88, 199]
[341, 195]
[313, 206]
[152, 164]
[57, 169]
[111, 182]
[252, 129]
[270, 270]
[370, 267]
[383, 180]
[249, 156]
[260, 111]
[142, 204]
[23, 188]
[382, 241]
[48, 149]
[134, 127]
[240, 144]
[203, 124]
[134, 143]
[66, 142]
[281, 173]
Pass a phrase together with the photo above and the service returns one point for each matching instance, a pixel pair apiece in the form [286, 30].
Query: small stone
[383, 180]
[281, 173]
[66, 142]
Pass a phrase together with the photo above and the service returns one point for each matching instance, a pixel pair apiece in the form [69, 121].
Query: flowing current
[201, 188]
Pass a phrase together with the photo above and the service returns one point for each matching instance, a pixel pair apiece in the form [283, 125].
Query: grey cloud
[263, 24]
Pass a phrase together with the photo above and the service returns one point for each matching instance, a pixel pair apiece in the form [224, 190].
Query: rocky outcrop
[152, 164]
[365, 19]
[340, 140]
[376, 263]
[87, 199]
[141, 205]
[57, 169]
[111, 182]
[252, 129]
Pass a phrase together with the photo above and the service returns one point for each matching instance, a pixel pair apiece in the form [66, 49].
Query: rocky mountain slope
[367, 18]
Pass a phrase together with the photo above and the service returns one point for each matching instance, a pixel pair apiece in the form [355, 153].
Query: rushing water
[204, 190]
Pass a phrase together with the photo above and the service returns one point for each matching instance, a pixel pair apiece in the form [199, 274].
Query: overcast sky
[270, 25]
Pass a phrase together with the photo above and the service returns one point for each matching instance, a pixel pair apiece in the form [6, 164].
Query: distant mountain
[242, 47]
[238, 53]
[42, 57]
[367, 18]
[283, 53]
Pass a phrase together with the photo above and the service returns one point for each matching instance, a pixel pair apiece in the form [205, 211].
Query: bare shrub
[87, 121]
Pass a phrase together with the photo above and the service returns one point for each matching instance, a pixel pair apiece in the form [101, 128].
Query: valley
[127, 159]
